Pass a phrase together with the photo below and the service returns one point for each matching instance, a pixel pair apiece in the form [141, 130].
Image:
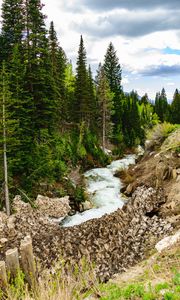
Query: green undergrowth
[49, 163]
[164, 290]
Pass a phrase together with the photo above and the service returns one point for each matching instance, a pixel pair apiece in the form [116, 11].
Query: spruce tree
[92, 100]
[39, 82]
[161, 106]
[175, 108]
[9, 126]
[81, 106]
[105, 106]
[12, 27]
[58, 60]
[70, 91]
[21, 111]
[113, 73]
[4, 98]
[144, 99]
[133, 133]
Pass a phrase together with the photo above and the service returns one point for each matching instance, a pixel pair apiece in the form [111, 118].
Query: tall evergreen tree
[92, 100]
[39, 81]
[21, 111]
[8, 133]
[12, 27]
[113, 73]
[70, 91]
[4, 98]
[105, 106]
[175, 108]
[58, 60]
[144, 99]
[82, 105]
[131, 124]
[53, 46]
[161, 106]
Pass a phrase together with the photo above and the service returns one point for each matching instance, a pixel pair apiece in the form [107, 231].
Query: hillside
[117, 241]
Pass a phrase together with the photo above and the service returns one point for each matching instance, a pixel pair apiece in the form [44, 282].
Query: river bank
[115, 241]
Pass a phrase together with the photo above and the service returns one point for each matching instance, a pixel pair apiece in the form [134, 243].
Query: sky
[145, 33]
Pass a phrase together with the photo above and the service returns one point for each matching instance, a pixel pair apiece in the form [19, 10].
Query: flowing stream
[104, 192]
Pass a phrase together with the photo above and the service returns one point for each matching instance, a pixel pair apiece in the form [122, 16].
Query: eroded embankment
[114, 242]
[159, 169]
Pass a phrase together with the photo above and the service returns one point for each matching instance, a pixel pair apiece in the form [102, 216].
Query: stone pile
[114, 242]
[30, 221]
[55, 208]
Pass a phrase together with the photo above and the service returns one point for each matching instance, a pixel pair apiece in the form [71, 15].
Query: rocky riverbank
[116, 241]
[159, 168]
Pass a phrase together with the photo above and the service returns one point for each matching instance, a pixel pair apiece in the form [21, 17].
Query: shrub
[161, 131]
[158, 134]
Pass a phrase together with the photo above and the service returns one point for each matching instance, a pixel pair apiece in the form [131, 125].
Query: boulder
[168, 241]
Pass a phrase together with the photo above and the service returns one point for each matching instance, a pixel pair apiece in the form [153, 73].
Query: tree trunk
[6, 190]
[104, 128]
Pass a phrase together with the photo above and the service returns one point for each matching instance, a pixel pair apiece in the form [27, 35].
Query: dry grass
[158, 134]
[165, 264]
[158, 272]
[126, 176]
[159, 267]
[61, 285]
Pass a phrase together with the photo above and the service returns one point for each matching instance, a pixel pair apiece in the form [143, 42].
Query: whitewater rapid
[104, 191]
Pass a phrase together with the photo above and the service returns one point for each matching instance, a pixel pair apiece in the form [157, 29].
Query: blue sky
[146, 35]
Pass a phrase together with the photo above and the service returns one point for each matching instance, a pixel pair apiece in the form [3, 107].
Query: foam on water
[104, 191]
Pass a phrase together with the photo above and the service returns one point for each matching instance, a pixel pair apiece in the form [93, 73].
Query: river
[104, 191]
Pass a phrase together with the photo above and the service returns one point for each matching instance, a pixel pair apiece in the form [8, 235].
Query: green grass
[137, 291]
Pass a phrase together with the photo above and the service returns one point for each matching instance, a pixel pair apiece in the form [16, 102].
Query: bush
[161, 131]
[158, 134]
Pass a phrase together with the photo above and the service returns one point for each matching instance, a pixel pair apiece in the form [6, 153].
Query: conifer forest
[55, 116]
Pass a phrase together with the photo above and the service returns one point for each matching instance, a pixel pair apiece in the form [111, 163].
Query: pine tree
[81, 106]
[21, 111]
[70, 91]
[12, 27]
[4, 97]
[9, 126]
[113, 73]
[161, 106]
[133, 133]
[175, 108]
[39, 82]
[92, 100]
[105, 106]
[53, 46]
[144, 99]
[58, 60]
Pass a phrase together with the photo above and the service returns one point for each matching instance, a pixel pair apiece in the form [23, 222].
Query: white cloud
[136, 54]
[171, 83]
[125, 81]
